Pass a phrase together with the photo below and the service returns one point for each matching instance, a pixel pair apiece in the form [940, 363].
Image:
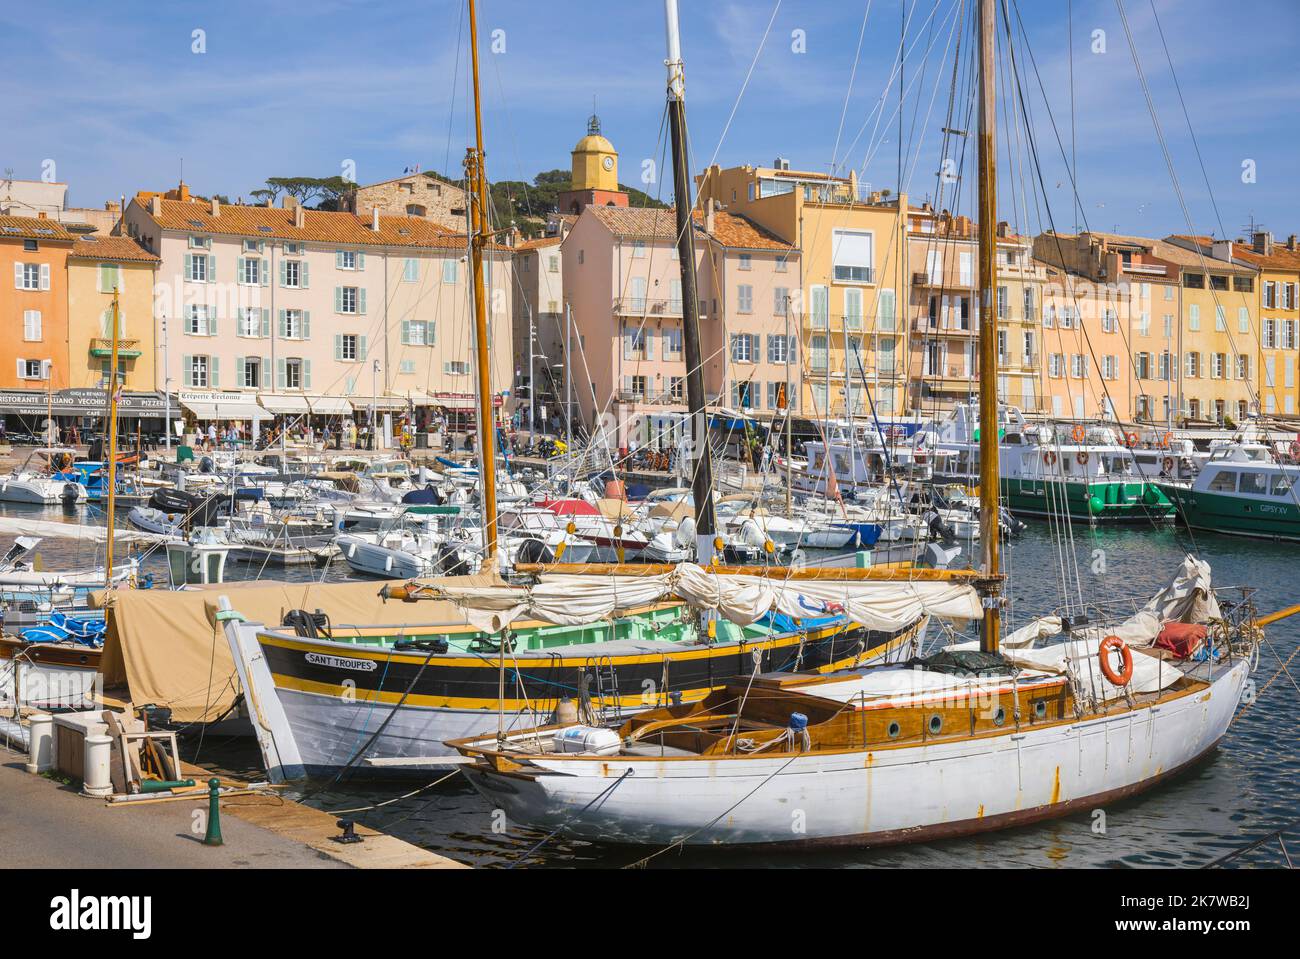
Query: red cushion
[1181, 639]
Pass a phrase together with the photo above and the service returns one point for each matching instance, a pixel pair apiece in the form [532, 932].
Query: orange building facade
[33, 303]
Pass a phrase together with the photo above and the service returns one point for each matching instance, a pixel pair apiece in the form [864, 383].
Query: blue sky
[114, 94]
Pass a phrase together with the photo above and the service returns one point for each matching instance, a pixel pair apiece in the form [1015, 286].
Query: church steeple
[595, 172]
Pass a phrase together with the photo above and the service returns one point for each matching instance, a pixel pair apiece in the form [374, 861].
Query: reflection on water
[1250, 786]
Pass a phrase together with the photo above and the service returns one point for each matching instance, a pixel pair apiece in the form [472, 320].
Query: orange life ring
[1079, 433]
[1081, 457]
[1168, 464]
[1123, 677]
[1166, 440]
[1130, 439]
[1049, 458]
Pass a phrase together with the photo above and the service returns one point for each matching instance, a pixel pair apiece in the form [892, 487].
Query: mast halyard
[702, 475]
[988, 332]
[111, 471]
[479, 235]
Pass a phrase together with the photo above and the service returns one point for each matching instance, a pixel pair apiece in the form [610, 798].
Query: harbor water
[1249, 787]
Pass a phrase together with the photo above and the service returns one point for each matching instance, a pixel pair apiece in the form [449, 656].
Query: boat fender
[1081, 457]
[1095, 505]
[1125, 675]
[1049, 458]
[797, 732]
[587, 739]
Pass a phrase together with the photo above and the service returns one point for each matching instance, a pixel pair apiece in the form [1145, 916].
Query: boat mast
[988, 215]
[702, 477]
[111, 478]
[479, 235]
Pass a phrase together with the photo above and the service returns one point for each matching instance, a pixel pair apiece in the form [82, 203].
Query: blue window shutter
[266, 373]
[266, 321]
[361, 300]
[187, 370]
[338, 346]
[302, 274]
[306, 324]
[279, 374]
[306, 374]
[338, 299]
[282, 324]
[361, 348]
[214, 372]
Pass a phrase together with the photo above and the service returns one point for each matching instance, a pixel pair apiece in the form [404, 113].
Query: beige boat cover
[166, 648]
[614, 509]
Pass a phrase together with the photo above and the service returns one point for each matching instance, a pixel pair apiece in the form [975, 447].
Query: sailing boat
[977, 739]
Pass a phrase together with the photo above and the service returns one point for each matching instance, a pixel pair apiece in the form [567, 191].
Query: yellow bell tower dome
[595, 161]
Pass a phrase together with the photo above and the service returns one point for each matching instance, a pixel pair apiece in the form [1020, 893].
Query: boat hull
[870, 797]
[1102, 501]
[1256, 517]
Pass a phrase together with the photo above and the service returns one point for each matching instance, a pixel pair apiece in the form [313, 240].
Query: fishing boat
[1241, 493]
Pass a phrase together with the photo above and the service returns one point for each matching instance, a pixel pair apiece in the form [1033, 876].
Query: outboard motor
[534, 551]
[68, 495]
[939, 529]
[451, 564]
[1014, 526]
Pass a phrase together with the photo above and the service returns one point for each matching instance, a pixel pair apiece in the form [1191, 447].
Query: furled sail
[573, 599]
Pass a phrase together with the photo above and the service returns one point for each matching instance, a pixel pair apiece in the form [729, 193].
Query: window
[1193, 365]
[1216, 366]
[743, 347]
[293, 274]
[410, 270]
[251, 322]
[1220, 320]
[851, 254]
[104, 377]
[1169, 292]
[965, 269]
[456, 367]
[417, 333]
[886, 311]
[746, 261]
[200, 243]
[197, 371]
[638, 249]
[1056, 365]
[745, 298]
[1029, 302]
[1109, 324]
[198, 268]
[250, 271]
[1194, 281]
[553, 264]
[780, 300]
[250, 377]
[1254, 483]
[818, 347]
[293, 249]
[1243, 320]
[1078, 366]
[1004, 303]
[252, 246]
[742, 394]
[406, 366]
[449, 270]
[634, 343]
[1268, 333]
[31, 325]
[1108, 367]
[821, 306]
[1243, 367]
[32, 276]
[1194, 317]
[781, 265]
[672, 337]
[33, 369]
[201, 320]
[292, 374]
[1281, 484]
[1049, 316]
[295, 324]
[346, 260]
[853, 309]
[349, 299]
[780, 349]
[110, 277]
[1218, 282]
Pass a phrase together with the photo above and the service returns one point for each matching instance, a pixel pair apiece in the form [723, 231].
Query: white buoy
[96, 779]
[40, 750]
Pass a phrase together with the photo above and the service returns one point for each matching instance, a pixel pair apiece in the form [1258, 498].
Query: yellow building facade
[1279, 319]
[97, 265]
[853, 352]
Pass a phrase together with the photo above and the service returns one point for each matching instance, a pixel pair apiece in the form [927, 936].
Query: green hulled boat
[1241, 496]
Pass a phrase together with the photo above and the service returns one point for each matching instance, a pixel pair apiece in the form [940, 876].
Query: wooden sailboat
[981, 737]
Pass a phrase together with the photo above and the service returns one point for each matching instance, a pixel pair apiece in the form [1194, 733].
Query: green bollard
[213, 838]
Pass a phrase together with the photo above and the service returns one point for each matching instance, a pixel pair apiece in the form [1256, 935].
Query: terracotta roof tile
[540, 243]
[98, 246]
[32, 228]
[1280, 259]
[319, 226]
[730, 229]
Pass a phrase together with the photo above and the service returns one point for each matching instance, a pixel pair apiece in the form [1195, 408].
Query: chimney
[155, 205]
[216, 207]
[41, 215]
[299, 217]
[1262, 243]
[1290, 242]
[708, 215]
[374, 219]
[288, 202]
[1221, 249]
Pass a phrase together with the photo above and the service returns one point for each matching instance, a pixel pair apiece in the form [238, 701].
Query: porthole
[936, 724]
[894, 729]
[1040, 709]
[1000, 717]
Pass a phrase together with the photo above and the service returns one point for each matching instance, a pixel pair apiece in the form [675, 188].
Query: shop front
[72, 416]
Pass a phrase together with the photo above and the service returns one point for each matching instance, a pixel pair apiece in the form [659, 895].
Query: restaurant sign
[80, 402]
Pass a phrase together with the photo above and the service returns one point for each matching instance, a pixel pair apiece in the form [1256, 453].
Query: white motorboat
[39, 483]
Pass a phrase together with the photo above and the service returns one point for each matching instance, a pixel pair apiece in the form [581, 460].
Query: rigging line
[848, 93]
[736, 106]
[551, 835]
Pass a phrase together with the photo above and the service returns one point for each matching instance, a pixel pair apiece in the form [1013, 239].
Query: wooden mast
[702, 477]
[479, 235]
[988, 337]
[111, 473]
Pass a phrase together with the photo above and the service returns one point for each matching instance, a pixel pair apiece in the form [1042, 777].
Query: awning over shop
[79, 402]
[280, 403]
[216, 406]
[363, 403]
[330, 405]
[458, 401]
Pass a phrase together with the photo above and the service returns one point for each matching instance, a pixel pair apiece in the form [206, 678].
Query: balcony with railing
[646, 306]
[102, 348]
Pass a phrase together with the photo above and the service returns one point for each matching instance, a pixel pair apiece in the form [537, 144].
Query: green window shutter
[212, 269]
[338, 299]
[279, 374]
[266, 373]
[187, 370]
[264, 272]
[189, 265]
[361, 300]
[406, 333]
[302, 275]
[361, 348]
[282, 323]
[431, 333]
[306, 324]
[212, 321]
[338, 259]
[239, 371]
[361, 261]
[338, 346]
[284, 270]
[239, 269]
[306, 374]
[266, 321]
[214, 376]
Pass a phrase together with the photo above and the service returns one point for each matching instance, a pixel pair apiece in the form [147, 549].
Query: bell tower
[595, 173]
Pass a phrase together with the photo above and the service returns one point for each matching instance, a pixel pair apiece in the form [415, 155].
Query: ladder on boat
[605, 701]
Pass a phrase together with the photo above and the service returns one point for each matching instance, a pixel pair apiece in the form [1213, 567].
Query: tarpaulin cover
[165, 647]
[1182, 639]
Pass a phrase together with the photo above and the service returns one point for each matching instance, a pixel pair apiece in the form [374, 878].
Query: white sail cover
[569, 599]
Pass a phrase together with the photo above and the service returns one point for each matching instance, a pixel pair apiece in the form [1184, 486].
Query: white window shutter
[45, 276]
[22, 372]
